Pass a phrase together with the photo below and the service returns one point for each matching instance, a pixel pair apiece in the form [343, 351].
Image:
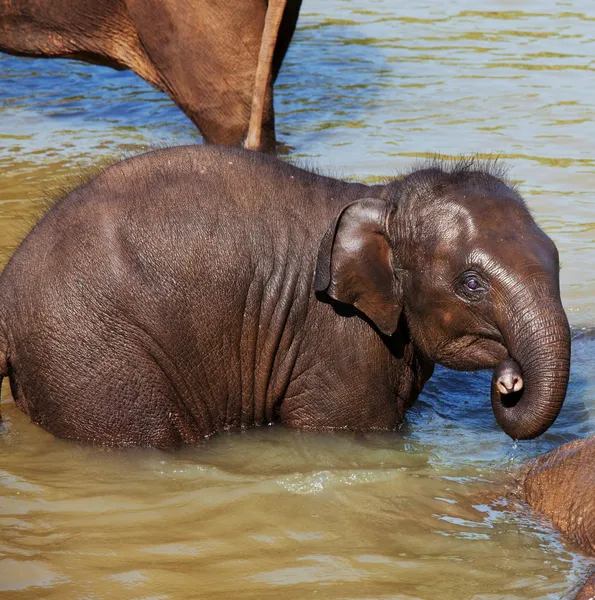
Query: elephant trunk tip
[514, 407]
[508, 378]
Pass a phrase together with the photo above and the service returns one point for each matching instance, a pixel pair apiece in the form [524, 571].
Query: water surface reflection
[275, 513]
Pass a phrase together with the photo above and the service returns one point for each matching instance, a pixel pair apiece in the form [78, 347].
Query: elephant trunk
[537, 335]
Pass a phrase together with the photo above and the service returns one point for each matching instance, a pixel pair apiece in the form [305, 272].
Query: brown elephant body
[561, 485]
[587, 592]
[203, 53]
[196, 289]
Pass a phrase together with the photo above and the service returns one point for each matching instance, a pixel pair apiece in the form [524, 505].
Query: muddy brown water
[283, 514]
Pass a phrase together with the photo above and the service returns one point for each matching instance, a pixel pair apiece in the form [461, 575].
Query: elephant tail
[264, 72]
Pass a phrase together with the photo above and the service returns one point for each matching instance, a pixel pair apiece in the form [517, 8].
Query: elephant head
[455, 257]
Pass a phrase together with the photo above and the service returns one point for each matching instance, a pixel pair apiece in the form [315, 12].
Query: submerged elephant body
[561, 485]
[197, 289]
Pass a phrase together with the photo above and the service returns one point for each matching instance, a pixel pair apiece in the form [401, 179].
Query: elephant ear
[354, 263]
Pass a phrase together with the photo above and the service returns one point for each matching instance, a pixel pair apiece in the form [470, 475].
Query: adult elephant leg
[203, 53]
[206, 52]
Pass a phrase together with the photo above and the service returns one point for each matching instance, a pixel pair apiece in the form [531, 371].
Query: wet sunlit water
[280, 514]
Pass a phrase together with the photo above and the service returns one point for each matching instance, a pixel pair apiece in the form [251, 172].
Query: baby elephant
[198, 289]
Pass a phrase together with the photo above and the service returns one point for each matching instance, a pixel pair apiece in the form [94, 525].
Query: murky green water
[280, 514]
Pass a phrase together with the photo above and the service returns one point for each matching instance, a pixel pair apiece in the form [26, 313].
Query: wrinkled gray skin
[197, 289]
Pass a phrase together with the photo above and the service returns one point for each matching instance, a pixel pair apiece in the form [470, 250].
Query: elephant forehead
[502, 254]
[525, 248]
[580, 453]
[455, 229]
[450, 222]
[478, 212]
[471, 216]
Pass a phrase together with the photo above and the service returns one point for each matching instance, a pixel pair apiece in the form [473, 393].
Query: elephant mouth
[473, 353]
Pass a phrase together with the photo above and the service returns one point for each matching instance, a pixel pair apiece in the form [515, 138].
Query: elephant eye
[472, 284]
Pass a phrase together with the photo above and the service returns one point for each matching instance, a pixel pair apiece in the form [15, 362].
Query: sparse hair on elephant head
[455, 253]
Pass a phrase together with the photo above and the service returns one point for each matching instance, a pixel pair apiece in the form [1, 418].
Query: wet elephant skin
[561, 485]
[192, 290]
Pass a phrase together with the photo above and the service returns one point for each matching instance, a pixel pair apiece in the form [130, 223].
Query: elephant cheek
[487, 354]
[472, 354]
